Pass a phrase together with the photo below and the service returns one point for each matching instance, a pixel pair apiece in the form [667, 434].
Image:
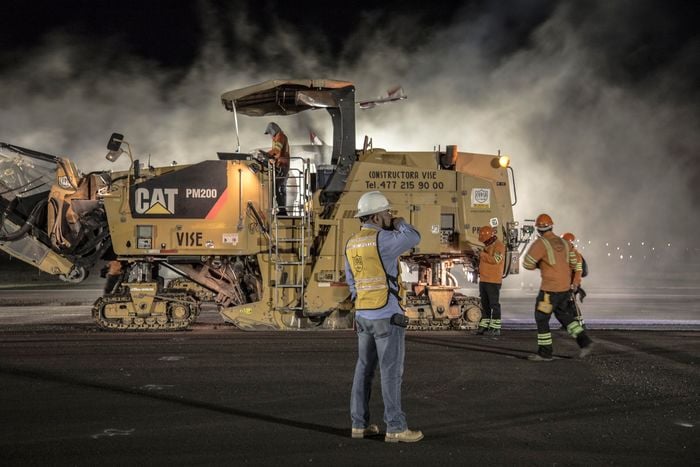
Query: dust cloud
[593, 101]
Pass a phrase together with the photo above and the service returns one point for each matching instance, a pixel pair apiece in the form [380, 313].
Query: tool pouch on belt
[544, 305]
[397, 319]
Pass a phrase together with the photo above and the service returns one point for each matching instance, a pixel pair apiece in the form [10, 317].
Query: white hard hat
[372, 203]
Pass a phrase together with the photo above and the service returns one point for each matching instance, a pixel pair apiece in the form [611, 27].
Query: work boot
[407, 436]
[540, 358]
[372, 430]
[583, 340]
[586, 351]
[480, 331]
[493, 332]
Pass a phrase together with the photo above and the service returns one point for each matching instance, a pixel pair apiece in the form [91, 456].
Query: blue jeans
[379, 342]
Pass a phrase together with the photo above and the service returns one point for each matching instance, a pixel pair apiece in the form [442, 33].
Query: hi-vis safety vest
[280, 149]
[372, 283]
[555, 260]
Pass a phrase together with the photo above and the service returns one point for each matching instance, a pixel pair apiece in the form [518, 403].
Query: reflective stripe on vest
[371, 279]
[551, 260]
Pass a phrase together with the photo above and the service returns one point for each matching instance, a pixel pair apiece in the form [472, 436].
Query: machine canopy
[284, 97]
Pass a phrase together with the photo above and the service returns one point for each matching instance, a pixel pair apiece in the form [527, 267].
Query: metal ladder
[288, 240]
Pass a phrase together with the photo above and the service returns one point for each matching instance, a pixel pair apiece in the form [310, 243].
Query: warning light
[500, 161]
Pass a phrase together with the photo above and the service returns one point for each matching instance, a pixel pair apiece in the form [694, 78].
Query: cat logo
[155, 201]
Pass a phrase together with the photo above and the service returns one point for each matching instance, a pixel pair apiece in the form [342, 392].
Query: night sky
[596, 102]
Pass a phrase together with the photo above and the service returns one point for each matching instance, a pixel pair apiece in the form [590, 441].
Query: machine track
[182, 310]
[469, 316]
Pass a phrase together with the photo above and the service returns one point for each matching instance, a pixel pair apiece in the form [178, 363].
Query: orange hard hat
[544, 222]
[485, 233]
[569, 237]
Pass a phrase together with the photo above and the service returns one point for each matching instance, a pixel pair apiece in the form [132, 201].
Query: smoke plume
[594, 102]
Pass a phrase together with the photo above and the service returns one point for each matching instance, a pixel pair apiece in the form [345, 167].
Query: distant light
[668, 244]
[607, 244]
[618, 248]
[589, 242]
[630, 256]
[642, 243]
[652, 248]
[608, 254]
[629, 244]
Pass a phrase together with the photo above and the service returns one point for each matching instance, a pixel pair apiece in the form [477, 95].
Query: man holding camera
[372, 269]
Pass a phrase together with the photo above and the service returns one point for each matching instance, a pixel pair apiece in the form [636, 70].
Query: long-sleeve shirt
[391, 244]
[555, 260]
[492, 262]
[576, 276]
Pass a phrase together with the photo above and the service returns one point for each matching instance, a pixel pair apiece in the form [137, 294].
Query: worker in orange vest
[280, 152]
[491, 264]
[556, 262]
[576, 275]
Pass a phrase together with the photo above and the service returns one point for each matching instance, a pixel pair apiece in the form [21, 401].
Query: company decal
[154, 201]
[422, 180]
[190, 193]
[189, 238]
[230, 239]
[481, 198]
[357, 264]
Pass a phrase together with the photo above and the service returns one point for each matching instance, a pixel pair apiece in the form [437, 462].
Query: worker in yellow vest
[372, 274]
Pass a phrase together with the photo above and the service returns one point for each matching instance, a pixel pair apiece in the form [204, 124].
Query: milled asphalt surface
[71, 395]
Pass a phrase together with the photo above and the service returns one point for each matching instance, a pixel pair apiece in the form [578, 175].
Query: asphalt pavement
[213, 395]
[71, 394]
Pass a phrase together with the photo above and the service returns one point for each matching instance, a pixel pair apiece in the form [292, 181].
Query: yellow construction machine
[213, 231]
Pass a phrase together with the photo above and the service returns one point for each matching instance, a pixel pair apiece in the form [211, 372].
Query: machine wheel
[76, 275]
[472, 314]
[178, 311]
